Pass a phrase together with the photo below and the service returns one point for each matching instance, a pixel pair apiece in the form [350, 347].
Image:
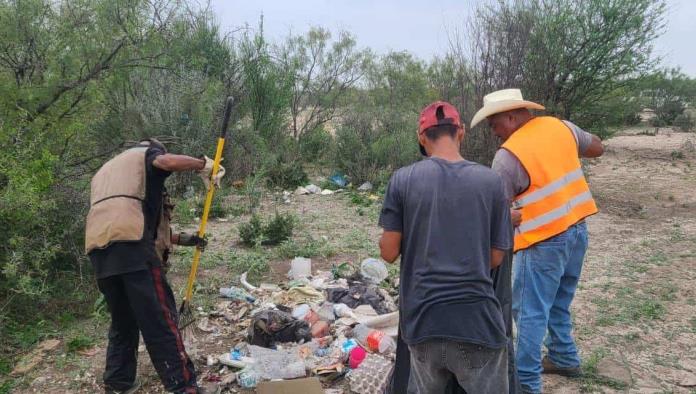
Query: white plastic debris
[373, 270]
[300, 268]
[301, 191]
[327, 192]
[314, 189]
[365, 187]
[245, 283]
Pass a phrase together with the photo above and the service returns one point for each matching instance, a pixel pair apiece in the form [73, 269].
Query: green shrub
[286, 175]
[252, 232]
[278, 229]
[315, 144]
[684, 122]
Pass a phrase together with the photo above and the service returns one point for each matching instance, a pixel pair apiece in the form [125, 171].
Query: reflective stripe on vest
[558, 195]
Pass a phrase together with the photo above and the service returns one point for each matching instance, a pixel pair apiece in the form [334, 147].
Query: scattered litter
[374, 340]
[358, 294]
[343, 310]
[248, 378]
[320, 329]
[242, 362]
[245, 283]
[301, 191]
[357, 355]
[210, 361]
[286, 197]
[326, 312]
[313, 189]
[300, 268]
[339, 179]
[326, 192]
[269, 287]
[373, 270]
[272, 326]
[204, 325]
[236, 293]
[371, 376]
[365, 187]
[303, 294]
[277, 364]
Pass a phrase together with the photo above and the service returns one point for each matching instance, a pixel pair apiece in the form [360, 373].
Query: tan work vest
[558, 195]
[116, 201]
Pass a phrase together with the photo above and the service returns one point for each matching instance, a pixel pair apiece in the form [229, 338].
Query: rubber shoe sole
[551, 368]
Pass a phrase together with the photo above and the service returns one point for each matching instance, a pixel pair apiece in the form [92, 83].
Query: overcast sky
[417, 26]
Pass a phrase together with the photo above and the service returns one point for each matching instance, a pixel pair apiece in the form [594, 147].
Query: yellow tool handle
[208, 199]
[204, 220]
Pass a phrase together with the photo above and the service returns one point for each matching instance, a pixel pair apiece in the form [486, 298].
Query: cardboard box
[293, 386]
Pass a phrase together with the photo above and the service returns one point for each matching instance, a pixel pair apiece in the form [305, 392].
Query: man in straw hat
[449, 220]
[543, 179]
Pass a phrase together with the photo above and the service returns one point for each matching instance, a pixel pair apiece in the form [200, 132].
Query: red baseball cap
[437, 114]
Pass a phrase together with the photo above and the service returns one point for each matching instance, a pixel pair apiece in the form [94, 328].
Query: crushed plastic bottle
[236, 293]
[248, 377]
[374, 340]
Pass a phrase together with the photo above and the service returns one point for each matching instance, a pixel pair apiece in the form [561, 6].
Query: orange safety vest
[558, 195]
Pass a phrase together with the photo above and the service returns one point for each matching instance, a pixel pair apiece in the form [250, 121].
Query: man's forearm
[178, 163]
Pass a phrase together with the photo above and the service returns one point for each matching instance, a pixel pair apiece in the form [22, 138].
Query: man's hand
[186, 239]
[516, 217]
[207, 170]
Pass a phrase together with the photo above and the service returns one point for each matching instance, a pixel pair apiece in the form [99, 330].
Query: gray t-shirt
[515, 177]
[450, 215]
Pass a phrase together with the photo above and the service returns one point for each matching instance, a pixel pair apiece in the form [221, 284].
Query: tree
[323, 72]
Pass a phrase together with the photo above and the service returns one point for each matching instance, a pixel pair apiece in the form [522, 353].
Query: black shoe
[132, 389]
[551, 368]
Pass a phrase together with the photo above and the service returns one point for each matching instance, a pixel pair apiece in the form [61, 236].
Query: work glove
[208, 170]
[186, 239]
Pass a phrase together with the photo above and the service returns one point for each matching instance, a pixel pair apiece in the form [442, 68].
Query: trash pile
[339, 331]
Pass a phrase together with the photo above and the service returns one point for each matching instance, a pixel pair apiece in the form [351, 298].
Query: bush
[286, 175]
[684, 123]
[252, 232]
[315, 144]
[667, 113]
[277, 230]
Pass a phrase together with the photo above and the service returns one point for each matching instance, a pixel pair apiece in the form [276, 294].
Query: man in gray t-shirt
[449, 220]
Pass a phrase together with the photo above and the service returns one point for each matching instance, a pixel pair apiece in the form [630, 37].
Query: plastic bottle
[374, 340]
[236, 293]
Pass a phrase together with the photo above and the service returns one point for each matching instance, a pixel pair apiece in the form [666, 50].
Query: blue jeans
[545, 277]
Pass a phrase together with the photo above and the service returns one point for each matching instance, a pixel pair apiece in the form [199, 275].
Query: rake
[186, 315]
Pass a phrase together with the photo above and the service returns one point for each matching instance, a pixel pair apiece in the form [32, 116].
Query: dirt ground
[634, 313]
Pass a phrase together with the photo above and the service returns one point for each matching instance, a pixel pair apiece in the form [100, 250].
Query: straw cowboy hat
[502, 101]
